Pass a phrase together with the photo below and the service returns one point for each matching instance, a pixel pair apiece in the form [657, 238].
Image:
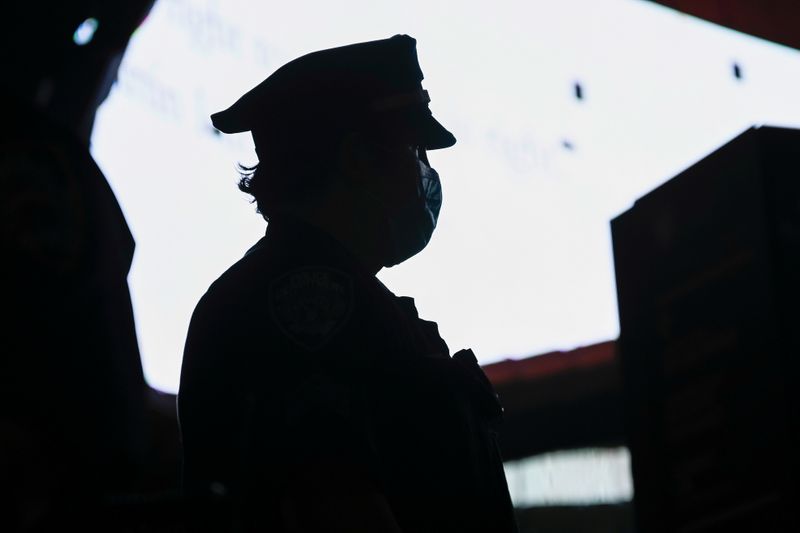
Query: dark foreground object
[707, 275]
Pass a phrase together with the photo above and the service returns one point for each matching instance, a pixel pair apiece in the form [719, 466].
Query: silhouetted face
[403, 196]
[396, 176]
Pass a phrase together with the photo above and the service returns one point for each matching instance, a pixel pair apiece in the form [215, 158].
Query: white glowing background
[575, 477]
[521, 262]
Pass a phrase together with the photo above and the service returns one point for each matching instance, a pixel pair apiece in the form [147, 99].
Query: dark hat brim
[419, 126]
[424, 128]
[436, 136]
[229, 120]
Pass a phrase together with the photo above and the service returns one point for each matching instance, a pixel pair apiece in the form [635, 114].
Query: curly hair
[286, 178]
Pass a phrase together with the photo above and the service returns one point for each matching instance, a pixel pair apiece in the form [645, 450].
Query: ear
[356, 162]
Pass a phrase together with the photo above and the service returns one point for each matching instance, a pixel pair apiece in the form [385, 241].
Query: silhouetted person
[312, 398]
[71, 384]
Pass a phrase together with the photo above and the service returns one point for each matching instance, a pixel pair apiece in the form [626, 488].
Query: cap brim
[436, 136]
[423, 128]
[228, 121]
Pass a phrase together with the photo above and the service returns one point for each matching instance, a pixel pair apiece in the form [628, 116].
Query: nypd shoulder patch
[311, 304]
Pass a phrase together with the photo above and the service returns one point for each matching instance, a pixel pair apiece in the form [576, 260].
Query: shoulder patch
[311, 304]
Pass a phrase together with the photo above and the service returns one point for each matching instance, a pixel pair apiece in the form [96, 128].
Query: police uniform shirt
[297, 354]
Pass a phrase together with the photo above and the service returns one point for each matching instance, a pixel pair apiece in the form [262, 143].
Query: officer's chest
[413, 381]
[398, 330]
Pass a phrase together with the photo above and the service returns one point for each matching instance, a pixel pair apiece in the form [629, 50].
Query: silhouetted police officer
[312, 398]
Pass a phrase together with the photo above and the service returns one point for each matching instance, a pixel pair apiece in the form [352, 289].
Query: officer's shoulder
[311, 304]
[233, 294]
[245, 277]
[287, 299]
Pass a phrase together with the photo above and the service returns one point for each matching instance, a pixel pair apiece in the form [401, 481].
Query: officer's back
[311, 396]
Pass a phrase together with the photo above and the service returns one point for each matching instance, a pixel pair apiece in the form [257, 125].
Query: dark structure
[774, 20]
[560, 401]
[707, 272]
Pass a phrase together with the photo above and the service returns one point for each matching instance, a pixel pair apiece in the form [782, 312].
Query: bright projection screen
[565, 113]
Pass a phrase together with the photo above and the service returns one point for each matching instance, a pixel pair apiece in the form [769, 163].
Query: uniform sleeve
[209, 405]
[315, 409]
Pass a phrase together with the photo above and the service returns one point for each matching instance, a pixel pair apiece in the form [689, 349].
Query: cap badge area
[401, 100]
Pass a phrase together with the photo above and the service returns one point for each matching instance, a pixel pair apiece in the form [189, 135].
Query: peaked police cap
[331, 91]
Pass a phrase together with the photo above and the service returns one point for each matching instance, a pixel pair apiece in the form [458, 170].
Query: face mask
[411, 226]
